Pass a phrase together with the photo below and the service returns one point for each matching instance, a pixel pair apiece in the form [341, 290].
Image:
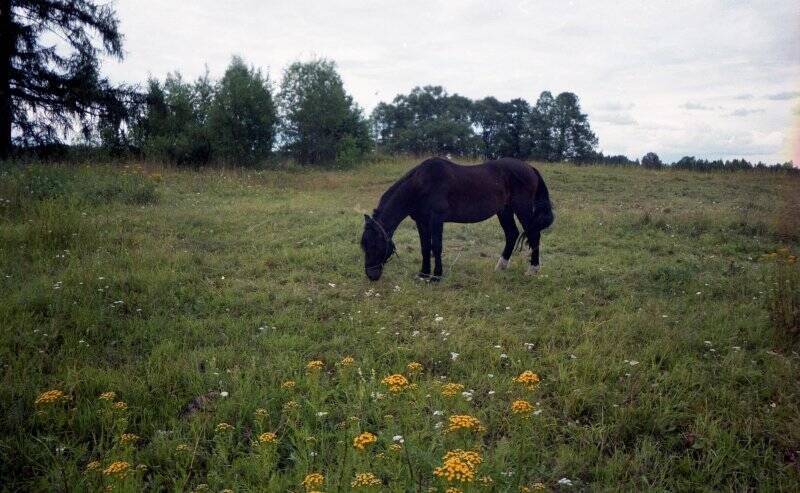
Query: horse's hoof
[421, 276]
[435, 278]
[532, 270]
[502, 264]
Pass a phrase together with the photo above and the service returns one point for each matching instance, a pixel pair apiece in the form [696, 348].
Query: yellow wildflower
[290, 406]
[261, 413]
[128, 439]
[347, 361]
[120, 406]
[455, 468]
[395, 447]
[396, 382]
[268, 437]
[314, 365]
[452, 490]
[464, 422]
[182, 448]
[223, 427]
[521, 407]
[414, 367]
[118, 469]
[486, 480]
[108, 396]
[364, 439]
[471, 457]
[313, 479]
[529, 379]
[451, 389]
[537, 486]
[289, 384]
[93, 466]
[51, 397]
[365, 479]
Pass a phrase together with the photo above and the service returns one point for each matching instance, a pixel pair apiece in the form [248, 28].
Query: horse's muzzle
[374, 273]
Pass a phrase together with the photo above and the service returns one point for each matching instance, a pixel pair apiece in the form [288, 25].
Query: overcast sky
[714, 79]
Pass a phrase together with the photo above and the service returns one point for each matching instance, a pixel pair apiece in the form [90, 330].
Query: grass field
[196, 296]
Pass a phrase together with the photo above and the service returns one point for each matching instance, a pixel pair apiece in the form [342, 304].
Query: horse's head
[377, 246]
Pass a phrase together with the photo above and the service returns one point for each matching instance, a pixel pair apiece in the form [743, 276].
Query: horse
[438, 191]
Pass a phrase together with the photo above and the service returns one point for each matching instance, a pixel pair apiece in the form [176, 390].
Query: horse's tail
[543, 215]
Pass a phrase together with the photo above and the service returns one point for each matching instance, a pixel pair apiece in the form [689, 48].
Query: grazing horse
[439, 191]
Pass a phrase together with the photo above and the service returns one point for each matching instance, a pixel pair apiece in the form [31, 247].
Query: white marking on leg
[502, 263]
[532, 270]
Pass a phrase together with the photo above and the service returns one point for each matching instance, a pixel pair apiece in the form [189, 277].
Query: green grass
[648, 326]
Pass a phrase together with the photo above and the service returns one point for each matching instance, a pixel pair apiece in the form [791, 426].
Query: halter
[386, 254]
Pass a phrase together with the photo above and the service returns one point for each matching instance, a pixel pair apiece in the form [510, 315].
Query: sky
[712, 79]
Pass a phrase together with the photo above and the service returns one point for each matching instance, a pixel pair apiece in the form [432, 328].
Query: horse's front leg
[437, 227]
[424, 230]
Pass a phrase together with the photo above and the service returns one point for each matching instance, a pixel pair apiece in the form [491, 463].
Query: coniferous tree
[44, 91]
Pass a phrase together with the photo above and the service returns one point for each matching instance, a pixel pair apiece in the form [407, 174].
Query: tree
[173, 125]
[651, 160]
[242, 115]
[573, 138]
[44, 89]
[320, 121]
[427, 121]
[542, 128]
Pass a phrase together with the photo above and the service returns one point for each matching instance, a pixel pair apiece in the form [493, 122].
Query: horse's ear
[366, 218]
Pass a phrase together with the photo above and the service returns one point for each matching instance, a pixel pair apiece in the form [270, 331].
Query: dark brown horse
[439, 191]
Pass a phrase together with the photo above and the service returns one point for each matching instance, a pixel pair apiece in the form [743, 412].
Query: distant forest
[246, 119]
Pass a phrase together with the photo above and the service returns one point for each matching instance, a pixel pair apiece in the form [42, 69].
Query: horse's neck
[393, 209]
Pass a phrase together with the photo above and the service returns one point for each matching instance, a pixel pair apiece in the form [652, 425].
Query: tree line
[428, 120]
[243, 118]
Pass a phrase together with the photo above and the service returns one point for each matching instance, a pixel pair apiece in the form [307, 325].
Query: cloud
[615, 106]
[746, 112]
[743, 97]
[783, 96]
[693, 105]
[615, 118]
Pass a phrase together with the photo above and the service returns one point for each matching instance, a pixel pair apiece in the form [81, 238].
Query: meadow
[213, 330]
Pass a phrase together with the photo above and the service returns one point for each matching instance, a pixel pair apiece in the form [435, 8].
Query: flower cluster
[120, 406]
[521, 407]
[289, 384]
[347, 361]
[458, 465]
[464, 422]
[364, 439]
[119, 469]
[529, 379]
[314, 365]
[396, 382]
[261, 413]
[365, 479]
[451, 389]
[128, 439]
[108, 396]
[268, 437]
[313, 479]
[414, 367]
[51, 397]
[223, 427]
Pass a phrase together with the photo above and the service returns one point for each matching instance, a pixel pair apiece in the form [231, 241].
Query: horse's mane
[390, 192]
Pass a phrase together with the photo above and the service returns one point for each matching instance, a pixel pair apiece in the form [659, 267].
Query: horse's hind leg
[424, 230]
[506, 217]
[533, 233]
